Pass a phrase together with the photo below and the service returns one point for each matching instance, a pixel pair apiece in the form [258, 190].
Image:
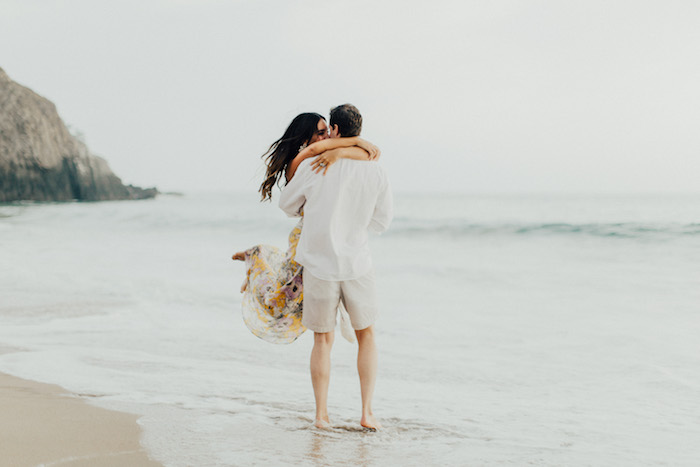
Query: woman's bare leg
[240, 256]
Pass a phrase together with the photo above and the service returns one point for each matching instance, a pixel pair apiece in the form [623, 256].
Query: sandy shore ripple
[44, 425]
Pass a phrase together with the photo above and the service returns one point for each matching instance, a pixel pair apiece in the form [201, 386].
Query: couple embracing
[340, 193]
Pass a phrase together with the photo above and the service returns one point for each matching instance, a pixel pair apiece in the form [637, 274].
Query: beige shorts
[322, 298]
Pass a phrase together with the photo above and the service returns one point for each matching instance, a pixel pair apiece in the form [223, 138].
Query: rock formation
[40, 160]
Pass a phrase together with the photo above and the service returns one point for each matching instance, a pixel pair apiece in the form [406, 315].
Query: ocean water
[514, 330]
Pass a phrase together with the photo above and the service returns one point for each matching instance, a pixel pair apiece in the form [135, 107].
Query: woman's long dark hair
[282, 151]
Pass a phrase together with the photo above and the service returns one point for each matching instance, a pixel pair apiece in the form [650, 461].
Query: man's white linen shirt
[339, 209]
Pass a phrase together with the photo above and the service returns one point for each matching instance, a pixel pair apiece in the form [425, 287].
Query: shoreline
[43, 424]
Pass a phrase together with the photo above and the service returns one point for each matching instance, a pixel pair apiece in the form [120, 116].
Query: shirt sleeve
[293, 194]
[383, 210]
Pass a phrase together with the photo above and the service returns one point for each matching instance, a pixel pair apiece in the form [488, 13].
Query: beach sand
[43, 424]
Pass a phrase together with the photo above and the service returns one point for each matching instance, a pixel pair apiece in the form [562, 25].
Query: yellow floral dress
[273, 298]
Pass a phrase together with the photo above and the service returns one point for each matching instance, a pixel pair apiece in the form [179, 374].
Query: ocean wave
[405, 227]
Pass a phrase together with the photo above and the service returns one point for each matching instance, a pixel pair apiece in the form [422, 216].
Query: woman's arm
[328, 158]
[328, 145]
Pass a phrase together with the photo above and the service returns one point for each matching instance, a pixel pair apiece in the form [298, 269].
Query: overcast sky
[475, 96]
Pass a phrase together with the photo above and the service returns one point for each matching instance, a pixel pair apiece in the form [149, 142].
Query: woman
[273, 296]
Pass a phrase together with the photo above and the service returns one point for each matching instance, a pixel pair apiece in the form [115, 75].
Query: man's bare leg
[321, 375]
[367, 369]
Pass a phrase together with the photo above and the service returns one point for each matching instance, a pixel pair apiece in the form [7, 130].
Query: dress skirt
[273, 299]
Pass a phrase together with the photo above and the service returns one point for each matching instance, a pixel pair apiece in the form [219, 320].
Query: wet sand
[43, 424]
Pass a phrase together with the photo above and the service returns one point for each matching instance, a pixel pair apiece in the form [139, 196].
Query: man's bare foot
[368, 421]
[322, 424]
[240, 256]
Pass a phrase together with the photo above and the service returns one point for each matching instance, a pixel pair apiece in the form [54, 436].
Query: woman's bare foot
[368, 421]
[240, 256]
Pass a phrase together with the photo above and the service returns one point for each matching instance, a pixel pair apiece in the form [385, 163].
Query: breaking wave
[412, 227]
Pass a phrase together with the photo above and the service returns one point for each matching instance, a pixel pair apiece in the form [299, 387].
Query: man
[340, 207]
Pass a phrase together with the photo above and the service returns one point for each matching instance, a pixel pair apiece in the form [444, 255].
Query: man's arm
[383, 210]
[293, 194]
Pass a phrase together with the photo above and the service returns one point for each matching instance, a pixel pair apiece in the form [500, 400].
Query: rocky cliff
[40, 160]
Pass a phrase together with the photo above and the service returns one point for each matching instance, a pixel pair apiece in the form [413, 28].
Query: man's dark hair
[348, 119]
